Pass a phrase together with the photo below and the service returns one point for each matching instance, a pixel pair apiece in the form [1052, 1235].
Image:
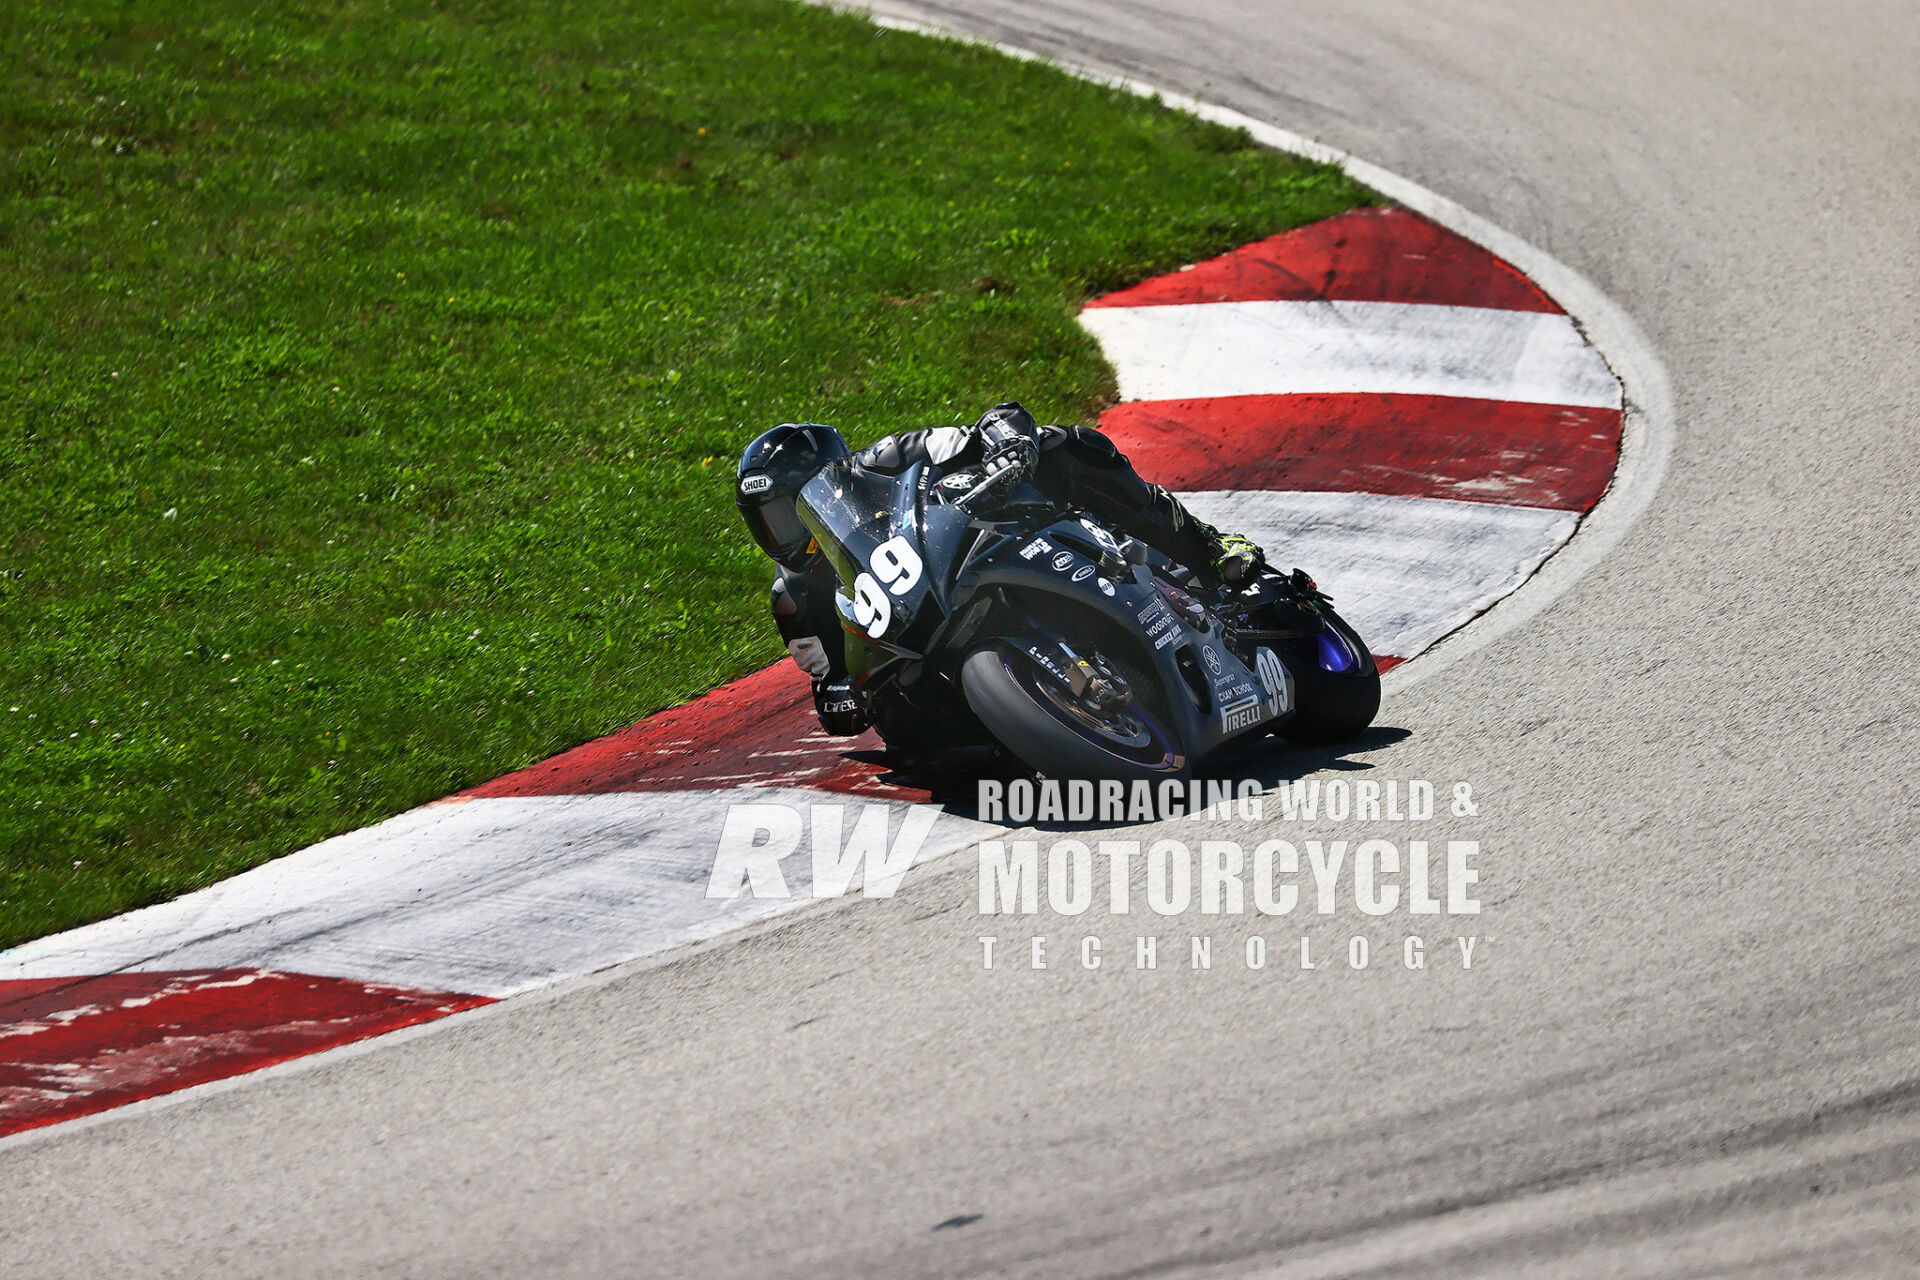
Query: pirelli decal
[1244, 714]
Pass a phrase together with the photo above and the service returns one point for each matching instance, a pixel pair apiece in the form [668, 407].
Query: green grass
[371, 374]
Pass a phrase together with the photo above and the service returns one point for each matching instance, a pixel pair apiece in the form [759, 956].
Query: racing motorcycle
[978, 610]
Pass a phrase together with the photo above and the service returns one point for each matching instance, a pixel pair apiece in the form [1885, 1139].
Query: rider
[1076, 465]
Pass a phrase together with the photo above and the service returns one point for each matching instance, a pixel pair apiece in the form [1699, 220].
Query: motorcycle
[979, 611]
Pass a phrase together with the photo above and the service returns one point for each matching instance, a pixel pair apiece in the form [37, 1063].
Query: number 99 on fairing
[895, 563]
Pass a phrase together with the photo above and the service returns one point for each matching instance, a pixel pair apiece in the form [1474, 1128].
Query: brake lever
[988, 482]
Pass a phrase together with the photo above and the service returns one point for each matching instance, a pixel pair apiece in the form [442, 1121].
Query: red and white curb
[1375, 398]
[594, 858]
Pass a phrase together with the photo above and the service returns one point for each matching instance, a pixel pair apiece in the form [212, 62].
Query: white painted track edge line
[1647, 425]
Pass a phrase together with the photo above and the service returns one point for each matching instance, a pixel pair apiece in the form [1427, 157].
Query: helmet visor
[776, 526]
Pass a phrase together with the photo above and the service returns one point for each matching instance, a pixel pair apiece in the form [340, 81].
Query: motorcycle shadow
[951, 778]
[1276, 760]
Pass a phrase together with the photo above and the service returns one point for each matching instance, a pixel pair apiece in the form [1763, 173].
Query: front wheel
[1027, 711]
[1336, 687]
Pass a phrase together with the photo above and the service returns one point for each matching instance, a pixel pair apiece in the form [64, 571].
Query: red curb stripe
[1368, 255]
[1497, 451]
[73, 1046]
[758, 731]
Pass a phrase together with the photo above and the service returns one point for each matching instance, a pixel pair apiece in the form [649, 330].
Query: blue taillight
[1336, 655]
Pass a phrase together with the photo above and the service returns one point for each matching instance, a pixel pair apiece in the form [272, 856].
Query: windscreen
[851, 512]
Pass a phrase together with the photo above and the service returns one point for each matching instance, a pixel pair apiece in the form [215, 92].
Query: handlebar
[995, 476]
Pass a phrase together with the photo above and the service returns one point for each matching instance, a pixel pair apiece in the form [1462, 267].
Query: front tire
[1037, 722]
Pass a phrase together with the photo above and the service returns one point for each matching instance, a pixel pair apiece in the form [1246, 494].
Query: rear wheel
[1336, 686]
[1025, 707]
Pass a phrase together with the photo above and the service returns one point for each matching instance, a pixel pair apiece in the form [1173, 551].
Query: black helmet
[771, 472]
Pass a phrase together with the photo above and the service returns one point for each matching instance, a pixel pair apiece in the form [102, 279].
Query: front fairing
[892, 553]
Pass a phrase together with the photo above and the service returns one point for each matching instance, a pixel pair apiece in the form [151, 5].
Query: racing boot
[1236, 559]
[1272, 599]
[1218, 560]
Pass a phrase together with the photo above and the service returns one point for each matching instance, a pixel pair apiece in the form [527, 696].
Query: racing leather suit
[1076, 465]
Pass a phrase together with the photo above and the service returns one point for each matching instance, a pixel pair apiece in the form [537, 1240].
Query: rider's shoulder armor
[895, 453]
[882, 455]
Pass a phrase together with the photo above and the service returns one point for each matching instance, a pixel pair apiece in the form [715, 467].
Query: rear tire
[1020, 707]
[1333, 706]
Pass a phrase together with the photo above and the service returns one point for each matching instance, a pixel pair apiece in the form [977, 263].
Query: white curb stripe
[488, 897]
[1199, 350]
[1403, 571]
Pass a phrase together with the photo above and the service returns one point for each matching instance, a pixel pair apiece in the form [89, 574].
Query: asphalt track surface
[1687, 1046]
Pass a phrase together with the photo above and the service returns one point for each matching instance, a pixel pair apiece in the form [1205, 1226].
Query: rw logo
[758, 837]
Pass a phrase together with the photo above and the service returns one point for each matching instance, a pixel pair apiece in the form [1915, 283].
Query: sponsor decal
[846, 704]
[1084, 572]
[1211, 658]
[1159, 621]
[1106, 586]
[755, 483]
[1155, 613]
[1243, 703]
[1100, 535]
[1040, 657]
[958, 480]
[1062, 560]
[1242, 715]
[1038, 547]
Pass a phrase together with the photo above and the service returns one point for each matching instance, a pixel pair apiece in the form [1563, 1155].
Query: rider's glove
[1237, 558]
[1007, 452]
[839, 711]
